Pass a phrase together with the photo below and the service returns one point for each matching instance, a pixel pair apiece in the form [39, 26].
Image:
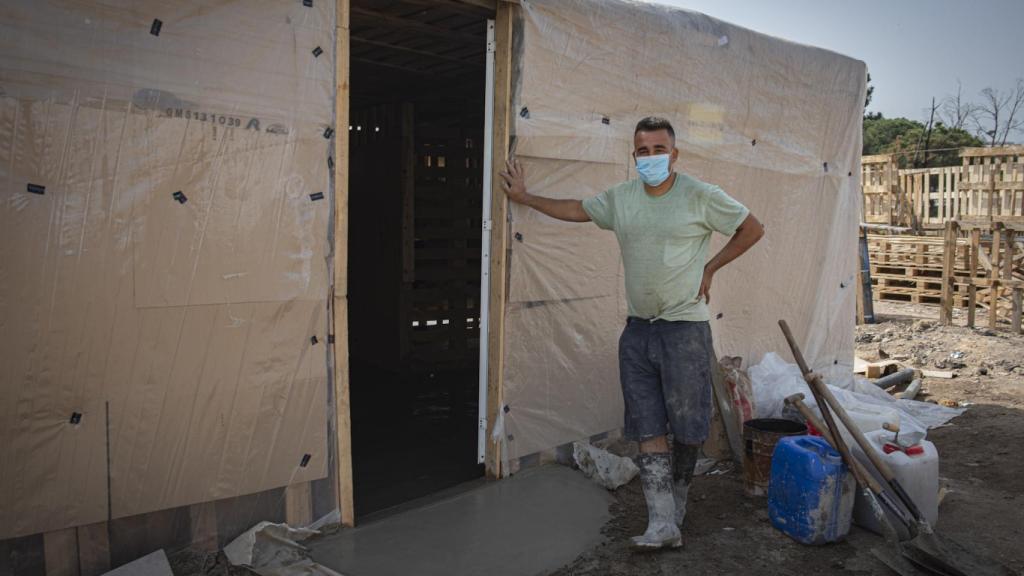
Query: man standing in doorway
[663, 221]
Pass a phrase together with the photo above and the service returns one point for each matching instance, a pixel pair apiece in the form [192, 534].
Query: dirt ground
[981, 470]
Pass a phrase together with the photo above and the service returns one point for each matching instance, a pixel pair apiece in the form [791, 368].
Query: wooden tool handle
[819, 388]
[863, 477]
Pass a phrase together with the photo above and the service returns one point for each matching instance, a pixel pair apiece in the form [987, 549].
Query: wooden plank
[203, 521]
[342, 432]
[994, 151]
[419, 52]
[60, 549]
[1008, 235]
[499, 233]
[1015, 321]
[93, 549]
[390, 21]
[972, 304]
[949, 253]
[945, 374]
[408, 179]
[993, 304]
[298, 504]
[878, 369]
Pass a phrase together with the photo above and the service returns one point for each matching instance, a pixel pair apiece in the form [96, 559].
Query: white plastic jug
[867, 417]
[915, 468]
[870, 418]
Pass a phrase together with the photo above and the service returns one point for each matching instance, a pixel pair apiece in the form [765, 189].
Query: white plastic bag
[602, 466]
[773, 379]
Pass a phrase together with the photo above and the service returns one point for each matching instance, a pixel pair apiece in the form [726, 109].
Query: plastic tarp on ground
[154, 346]
[775, 124]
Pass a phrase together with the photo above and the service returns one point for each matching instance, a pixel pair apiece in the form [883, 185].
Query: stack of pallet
[984, 268]
[908, 268]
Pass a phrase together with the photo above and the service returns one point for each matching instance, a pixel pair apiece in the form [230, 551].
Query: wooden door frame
[341, 440]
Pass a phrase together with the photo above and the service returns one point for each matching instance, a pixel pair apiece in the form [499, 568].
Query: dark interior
[415, 189]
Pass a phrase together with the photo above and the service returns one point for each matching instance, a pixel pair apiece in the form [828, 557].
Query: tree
[905, 138]
[870, 93]
[957, 112]
[880, 132]
[1000, 114]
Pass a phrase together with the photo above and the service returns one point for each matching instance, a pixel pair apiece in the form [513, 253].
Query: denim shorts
[665, 369]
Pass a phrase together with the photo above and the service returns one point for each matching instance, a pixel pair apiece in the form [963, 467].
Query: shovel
[872, 491]
[925, 549]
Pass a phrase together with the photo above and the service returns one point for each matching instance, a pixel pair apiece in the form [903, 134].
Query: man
[663, 221]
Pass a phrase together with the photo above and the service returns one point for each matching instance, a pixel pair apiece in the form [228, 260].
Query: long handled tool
[925, 548]
[873, 492]
[870, 487]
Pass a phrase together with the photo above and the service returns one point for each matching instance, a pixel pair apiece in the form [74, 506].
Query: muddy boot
[684, 459]
[656, 480]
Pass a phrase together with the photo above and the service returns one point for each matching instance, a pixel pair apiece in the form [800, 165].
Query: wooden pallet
[984, 269]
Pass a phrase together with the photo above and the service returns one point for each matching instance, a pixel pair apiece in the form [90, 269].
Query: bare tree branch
[1013, 119]
[1000, 115]
[957, 112]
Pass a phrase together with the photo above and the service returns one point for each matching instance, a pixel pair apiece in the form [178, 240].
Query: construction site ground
[981, 469]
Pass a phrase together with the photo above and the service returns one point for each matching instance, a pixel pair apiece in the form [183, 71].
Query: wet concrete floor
[529, 524]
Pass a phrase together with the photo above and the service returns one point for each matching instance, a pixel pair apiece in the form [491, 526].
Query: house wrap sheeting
[775, 124]
[163, 265]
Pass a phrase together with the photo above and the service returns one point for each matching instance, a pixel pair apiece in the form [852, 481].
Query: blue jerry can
[811, 493]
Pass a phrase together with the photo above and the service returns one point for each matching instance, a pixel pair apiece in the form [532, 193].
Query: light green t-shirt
[664, 241]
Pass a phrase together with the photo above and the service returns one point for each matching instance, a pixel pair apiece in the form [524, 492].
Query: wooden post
[60, 551]
[298, 504]
[203, 526]
[972, 268]
[1009, 239]
[1015, 321]
[499, 233]
[342, 440]
[993, 300]
[948, 256]
[408, 187]
[94, 549]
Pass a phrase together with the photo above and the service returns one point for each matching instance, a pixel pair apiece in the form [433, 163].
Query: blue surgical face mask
[653, 170]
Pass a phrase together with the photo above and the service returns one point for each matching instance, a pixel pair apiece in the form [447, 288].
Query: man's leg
[646, 422]
[687, 353]
[658, 444]
[684, 459]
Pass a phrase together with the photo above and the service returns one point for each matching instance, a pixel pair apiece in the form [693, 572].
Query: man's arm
[747, 234]
[514, 185]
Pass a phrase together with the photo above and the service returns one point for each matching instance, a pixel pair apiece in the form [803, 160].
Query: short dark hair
[653, 124]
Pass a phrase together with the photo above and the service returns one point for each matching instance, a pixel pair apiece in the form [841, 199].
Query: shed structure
[251, 267]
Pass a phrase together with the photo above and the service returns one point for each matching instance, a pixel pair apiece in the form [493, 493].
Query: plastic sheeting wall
[191, 318]
[776, 124]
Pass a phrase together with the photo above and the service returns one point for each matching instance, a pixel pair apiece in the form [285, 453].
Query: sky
[914, 49]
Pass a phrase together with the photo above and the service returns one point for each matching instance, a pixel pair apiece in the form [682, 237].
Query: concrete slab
[529, 524]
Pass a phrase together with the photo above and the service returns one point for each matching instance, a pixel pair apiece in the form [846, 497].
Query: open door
[418, 149]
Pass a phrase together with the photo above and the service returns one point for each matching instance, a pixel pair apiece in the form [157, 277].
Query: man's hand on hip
[705, 286]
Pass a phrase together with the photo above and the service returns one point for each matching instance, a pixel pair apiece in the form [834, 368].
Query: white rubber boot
[656, 480]
[684, 459]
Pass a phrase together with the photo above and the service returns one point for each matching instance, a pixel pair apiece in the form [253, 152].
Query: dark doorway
[415, 191]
